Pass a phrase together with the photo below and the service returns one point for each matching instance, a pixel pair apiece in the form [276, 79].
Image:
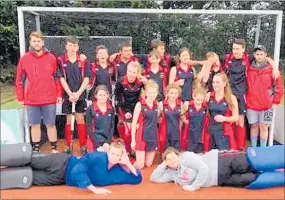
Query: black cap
[260, 48]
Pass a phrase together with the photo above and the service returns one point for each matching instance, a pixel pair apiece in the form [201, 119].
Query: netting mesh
[199, 32]
[56, 44]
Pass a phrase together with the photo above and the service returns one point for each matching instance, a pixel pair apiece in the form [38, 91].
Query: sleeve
[161, 174]
[89, 120]
[79, 172]
[87, 70]
[195, 162]
[133, 179]
[57, 75]
[111, 128]
[278, 90]
[20, 81]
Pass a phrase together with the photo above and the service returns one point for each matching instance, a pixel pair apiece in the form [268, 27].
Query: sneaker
[83, 150]
[54, 151]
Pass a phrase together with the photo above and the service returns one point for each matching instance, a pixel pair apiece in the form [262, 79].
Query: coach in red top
[38, 88]
[264, 92]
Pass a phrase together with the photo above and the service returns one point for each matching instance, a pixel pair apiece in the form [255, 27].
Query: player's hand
[143, 79]
[188, 188]
[83, 57]
[128, 115]
[133, 145]
[76, 96]
[220, 118]
[275, 73]
[59, 100]
[125, 160]
[113, 56]
[101, 191]
[181, 82]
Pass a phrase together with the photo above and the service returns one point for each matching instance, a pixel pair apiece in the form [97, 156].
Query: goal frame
[277, 13]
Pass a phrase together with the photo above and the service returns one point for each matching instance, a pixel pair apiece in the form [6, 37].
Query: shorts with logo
[262, 117]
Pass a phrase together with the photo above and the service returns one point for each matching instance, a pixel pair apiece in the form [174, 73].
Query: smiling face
[173, 94]
[126, 52]
[184, 57]
[151, 93]
[102, 96]
[238, 50]
[172, 160]
[114, 155]
[218, 83]
[102, 55]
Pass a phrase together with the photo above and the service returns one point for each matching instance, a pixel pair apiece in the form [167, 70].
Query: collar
[65, 57]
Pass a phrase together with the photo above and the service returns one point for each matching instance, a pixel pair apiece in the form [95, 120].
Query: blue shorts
[37, 113]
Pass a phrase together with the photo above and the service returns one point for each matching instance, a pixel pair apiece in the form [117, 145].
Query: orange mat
[146, 190]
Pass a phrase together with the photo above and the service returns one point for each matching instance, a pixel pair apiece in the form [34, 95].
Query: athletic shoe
[54, 151]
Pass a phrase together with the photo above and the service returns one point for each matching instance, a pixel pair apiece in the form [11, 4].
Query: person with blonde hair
[195, 122]
[127, 94]
[170, 119]
[223, 110]
[144, 126]
[110, 166]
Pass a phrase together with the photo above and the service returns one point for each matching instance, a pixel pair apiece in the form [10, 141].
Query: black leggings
[49, 169]
[234, 170]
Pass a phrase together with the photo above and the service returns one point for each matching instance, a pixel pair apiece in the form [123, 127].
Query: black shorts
[80, 106]
[234, 170]
[241, 104]
[49, 169]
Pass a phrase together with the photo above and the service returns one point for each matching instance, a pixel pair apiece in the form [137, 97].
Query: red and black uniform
[263, 89]
[169, 129]
[209, 84]
[101, 76]
[222, 133]
[146, 135]
[127, 95]
[159, 78]
[40, 74]
[165, 63]
[236, 70]
[188, 76]
[120, 66]
[100, 126]
[193, 132]
[74, 73]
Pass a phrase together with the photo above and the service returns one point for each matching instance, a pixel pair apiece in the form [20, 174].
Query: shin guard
[266, 158]
[268, 179]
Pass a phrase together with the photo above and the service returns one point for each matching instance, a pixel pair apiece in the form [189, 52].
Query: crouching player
[100, 118]
[144, 126]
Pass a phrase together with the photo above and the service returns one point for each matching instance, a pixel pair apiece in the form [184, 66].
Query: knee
[139, 165]
[263, 127]
[254, 126]
[50, 126]
[148, 164]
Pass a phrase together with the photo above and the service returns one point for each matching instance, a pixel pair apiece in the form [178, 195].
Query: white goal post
[34, 10]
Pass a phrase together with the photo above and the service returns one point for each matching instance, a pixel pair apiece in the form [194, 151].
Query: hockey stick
[72, 125]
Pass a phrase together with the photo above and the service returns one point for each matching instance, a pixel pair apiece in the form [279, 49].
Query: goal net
[199, 30]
